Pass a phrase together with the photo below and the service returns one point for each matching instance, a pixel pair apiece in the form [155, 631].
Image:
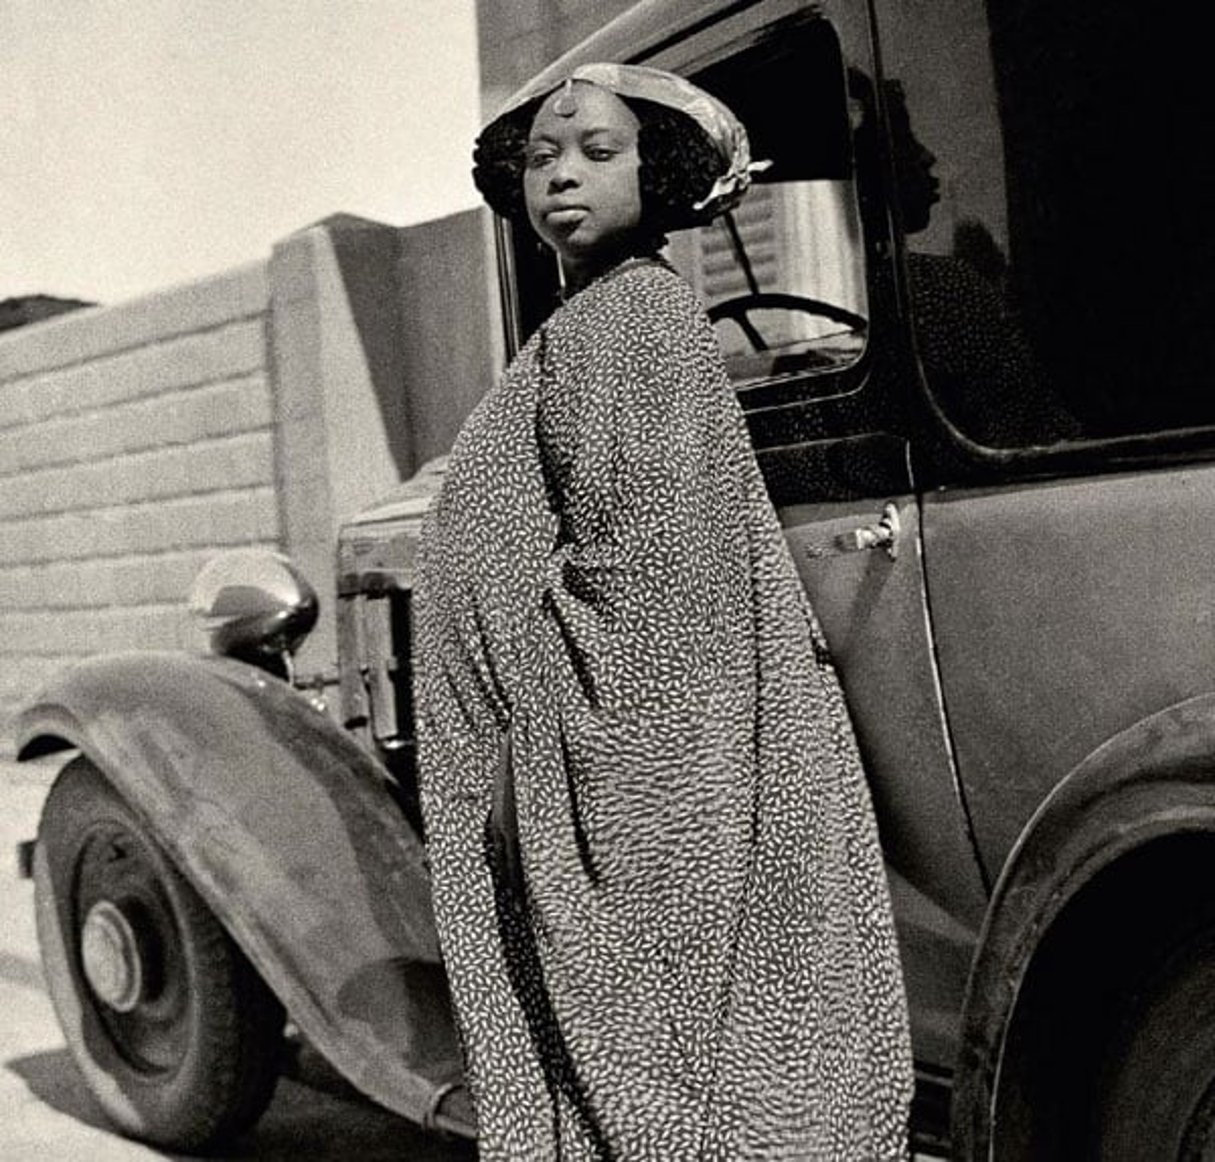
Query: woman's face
[580, 179]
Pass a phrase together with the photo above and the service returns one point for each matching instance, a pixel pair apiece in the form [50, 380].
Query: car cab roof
[664, 33]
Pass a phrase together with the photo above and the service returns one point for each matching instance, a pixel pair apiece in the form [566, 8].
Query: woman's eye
[535, 158]
[600, 153]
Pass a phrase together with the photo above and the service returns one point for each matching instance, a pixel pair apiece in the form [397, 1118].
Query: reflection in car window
[1091, 271]
[970, 342]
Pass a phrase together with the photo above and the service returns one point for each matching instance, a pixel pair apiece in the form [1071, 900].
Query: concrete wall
[134, 442]
[453, 324]
[259, 407]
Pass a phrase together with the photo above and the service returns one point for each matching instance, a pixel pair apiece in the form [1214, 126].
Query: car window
[1059, 276]
[783, 276]
[783, 281]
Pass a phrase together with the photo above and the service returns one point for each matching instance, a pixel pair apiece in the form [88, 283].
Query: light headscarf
[723, 129]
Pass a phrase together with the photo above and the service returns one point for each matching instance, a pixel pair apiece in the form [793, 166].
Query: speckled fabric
[700, 960]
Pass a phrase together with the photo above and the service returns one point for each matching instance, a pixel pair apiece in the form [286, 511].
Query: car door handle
[882, 535]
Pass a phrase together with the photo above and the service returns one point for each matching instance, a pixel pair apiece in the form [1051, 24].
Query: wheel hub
[109, 951]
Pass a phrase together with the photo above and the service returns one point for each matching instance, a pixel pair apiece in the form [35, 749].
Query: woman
[657, 880]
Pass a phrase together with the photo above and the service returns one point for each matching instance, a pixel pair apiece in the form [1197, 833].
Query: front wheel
[174, 1031]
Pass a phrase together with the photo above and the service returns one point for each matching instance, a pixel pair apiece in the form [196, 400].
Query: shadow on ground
[52, 1078]
[301, 1125]
[21, 971]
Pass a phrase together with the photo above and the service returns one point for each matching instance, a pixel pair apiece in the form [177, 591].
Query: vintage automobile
[970, 338]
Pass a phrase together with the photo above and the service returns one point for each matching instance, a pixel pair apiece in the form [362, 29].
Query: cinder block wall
[135, 441]
[260, 407]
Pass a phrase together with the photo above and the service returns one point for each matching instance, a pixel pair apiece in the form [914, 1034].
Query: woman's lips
[565, 215]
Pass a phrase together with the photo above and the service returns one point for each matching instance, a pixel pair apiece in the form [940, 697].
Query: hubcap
[109, 951]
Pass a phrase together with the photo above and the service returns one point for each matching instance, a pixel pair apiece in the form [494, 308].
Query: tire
[1111, 1054]
[174, 1031]
[1156, 1094]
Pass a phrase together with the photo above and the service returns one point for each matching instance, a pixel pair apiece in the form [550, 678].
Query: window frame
[522, 284]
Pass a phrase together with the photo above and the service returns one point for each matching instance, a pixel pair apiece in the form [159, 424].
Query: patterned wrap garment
[700, 962]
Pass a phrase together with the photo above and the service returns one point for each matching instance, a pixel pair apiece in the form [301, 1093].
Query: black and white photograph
[606, 581]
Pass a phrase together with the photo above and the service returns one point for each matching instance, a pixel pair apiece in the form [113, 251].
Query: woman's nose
[563, 175]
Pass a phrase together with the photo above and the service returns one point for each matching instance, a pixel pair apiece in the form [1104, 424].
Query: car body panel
[872, 611]
[288, 830]
[1052, 635]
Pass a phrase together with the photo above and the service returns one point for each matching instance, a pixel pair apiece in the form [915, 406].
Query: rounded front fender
[1155, 779]
[285, 826]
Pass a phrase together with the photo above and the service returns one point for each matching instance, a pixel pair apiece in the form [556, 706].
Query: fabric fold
[701, 962]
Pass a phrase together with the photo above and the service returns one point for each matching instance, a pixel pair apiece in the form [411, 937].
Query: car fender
[1154, 779]
[286, 827]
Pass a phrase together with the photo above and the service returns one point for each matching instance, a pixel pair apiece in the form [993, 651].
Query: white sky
[148, 142]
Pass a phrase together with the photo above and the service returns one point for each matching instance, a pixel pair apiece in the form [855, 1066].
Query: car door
[1066, 458]
[871, 604]
[821, 381]
[800, 281]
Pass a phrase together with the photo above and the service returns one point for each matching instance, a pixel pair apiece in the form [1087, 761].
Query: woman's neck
[576, 276]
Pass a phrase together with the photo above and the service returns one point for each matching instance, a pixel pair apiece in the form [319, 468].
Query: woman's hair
[678, 164]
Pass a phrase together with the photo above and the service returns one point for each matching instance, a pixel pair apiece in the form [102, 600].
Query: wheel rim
[130, 952]
[110, 955]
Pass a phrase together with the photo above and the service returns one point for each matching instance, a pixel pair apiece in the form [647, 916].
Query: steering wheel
[737, 311]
